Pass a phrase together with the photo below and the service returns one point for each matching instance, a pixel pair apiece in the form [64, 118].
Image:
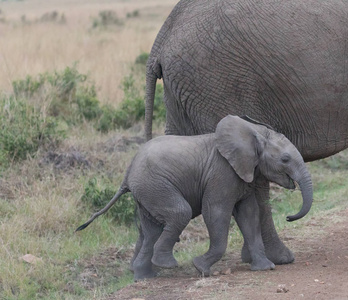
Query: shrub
[133, 102]
[97, 197]
[67, 94]
[133, 14]
[132, 108]
[142, 58]
[106, 122]
[24, 129]
[70, 97]
[66, 83]
[105, 19]
[159, 110]
[88, 103]
[27, 87]
[49, 17]
[32, 116]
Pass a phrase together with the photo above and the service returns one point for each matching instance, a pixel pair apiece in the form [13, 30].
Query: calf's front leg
[246, 213]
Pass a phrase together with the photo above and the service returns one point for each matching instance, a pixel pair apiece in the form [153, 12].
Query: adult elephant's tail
[151, 80]
[153, 72]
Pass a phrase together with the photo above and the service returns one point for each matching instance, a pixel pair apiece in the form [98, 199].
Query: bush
[105, 19]
[33, 116]
[159, 110]
[132, 108]
[24, 129]
[27, 87]
[142, 58]
[106, 122]
[49, 16]
[88, 103]
[69, 97]
[67, 94]
[133, 14]
[97, 197]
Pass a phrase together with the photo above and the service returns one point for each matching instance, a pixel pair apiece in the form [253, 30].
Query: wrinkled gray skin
[176, 178]
[283, 63]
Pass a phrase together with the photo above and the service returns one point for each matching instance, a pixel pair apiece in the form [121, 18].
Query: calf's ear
[241, 143]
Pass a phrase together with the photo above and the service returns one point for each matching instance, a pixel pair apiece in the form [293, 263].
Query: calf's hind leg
[148, 235]
[177, 213]
[138, 246]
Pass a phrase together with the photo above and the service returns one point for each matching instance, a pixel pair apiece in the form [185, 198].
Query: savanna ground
[71, 118]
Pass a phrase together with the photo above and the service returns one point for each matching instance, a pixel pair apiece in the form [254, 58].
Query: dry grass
[29, 49]
[40, 205]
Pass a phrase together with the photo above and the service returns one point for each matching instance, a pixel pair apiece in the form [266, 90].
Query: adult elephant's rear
[283, 63]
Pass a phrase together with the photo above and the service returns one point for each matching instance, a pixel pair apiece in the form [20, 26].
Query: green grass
[330, 192]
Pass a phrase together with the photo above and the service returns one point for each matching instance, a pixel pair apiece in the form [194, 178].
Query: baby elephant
[176, 178]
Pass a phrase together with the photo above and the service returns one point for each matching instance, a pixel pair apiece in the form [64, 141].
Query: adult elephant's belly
[290, 72]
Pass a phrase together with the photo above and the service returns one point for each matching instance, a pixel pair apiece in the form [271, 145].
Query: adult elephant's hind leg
[177, 213]
[275, 249]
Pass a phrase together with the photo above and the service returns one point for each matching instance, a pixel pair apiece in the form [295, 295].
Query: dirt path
[319, 272]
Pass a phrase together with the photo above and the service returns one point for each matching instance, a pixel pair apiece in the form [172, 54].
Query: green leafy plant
[88, 103]
[72, 98]
[67, 94]
[27, 87]
[105, 19]
[24, 129]
[98, 196]
[142, 58]
[133, 14]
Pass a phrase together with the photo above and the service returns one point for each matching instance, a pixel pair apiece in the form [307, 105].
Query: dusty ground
[319, 272]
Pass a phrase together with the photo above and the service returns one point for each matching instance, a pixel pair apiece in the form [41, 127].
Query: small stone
[31, 259]
[216, 273]
[226, 272]
[282, 288]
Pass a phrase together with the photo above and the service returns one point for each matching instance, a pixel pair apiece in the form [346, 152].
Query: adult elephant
[283, 63]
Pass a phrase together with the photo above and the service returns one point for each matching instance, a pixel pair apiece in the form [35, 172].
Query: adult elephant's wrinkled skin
[283, 63]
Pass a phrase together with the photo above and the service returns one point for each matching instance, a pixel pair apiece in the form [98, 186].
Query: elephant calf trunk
[307, 196]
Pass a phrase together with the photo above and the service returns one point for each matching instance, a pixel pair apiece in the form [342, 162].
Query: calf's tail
[119, 193]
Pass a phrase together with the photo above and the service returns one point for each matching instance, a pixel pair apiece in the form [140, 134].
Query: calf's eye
[285, 158]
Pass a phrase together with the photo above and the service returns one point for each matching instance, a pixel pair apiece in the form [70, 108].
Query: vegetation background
[71, 118]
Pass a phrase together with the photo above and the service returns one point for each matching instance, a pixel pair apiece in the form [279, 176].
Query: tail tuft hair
[83, 226]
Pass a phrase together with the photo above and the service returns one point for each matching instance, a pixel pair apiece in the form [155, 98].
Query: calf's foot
[164, 260]
[144, 274]
[201, 265]
[279, 254]
[262, 264]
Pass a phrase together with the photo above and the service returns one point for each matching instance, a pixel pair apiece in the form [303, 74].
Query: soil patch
[66, 160]
[320, 271]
